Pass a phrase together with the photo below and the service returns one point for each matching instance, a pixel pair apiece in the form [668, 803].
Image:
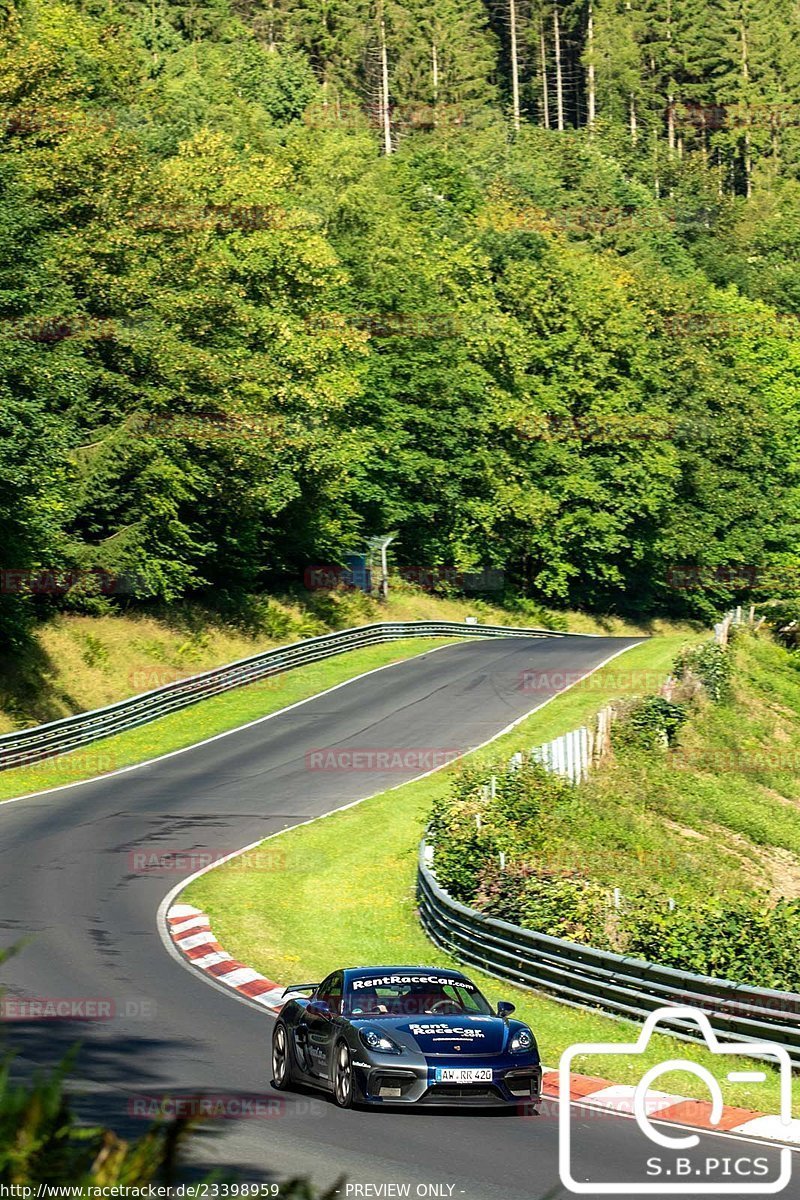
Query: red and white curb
[190, 930]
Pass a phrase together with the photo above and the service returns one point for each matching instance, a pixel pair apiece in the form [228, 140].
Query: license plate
[463, 1074]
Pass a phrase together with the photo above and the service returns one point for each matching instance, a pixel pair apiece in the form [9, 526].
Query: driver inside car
[368, 1004]
[419, 1000]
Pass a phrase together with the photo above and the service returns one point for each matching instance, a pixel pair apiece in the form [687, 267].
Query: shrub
[42, 1143]
[469, 827]
[783, 618]
[534, 613]
[742, 940]
[647, 723]
[709, 663]
[556, 903]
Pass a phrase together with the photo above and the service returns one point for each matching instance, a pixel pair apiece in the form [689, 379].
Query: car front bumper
[512, 1084]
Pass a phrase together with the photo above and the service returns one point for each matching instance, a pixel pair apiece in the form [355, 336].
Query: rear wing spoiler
[300, 987]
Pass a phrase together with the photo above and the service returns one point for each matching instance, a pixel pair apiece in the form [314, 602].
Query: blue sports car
[404, 1035]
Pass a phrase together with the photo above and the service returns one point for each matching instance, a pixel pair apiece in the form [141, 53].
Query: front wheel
[343, 1077]
[282, 1076]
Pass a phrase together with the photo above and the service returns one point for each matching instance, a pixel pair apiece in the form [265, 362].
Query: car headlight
[522, 1042]
[375, 1039]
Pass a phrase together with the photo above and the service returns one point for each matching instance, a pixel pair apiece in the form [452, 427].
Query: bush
[747, 939]
[469, 827]
[783, 619]
[744, 940]
[42, 1143]
[534, 613]
[709, 663]
[648, 723]
[555, 903]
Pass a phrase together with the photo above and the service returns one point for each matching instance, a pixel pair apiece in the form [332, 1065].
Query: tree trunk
[592, 83]
[545, 84]
[632, 101]
[670, 95]
[386, 121]
[748, 149]
[512, 28]
[559, 77]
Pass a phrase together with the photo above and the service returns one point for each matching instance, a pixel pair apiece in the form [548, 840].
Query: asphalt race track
[67, 879]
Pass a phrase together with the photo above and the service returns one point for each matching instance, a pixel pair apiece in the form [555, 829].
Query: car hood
[447, 1034]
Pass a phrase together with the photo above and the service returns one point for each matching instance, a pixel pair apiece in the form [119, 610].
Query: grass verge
[362, 862]
[718, 815]
[73, 663]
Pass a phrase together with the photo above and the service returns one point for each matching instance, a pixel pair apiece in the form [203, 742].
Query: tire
[282, 1072]
[343, 1084]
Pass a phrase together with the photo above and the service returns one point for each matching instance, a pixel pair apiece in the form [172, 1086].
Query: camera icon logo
[676, 1171]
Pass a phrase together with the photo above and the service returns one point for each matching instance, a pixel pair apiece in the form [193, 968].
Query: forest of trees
[518, 279]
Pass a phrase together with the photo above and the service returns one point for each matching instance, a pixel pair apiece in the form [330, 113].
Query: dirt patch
[685, 831]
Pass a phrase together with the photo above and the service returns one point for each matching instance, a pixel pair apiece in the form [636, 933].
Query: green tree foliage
[237, 338]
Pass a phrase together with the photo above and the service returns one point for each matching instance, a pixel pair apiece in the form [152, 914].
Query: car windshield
[413, 995]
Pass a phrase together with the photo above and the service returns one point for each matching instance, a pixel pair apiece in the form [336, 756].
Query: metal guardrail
[58, 737]
[584, 977]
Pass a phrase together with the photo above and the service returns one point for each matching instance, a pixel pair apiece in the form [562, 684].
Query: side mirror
[319, 1008]
[505, 1008]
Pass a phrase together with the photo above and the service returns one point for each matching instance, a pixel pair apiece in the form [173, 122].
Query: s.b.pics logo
[670, 1160]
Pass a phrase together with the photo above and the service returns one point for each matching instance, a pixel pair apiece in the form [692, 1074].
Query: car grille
[462, 1091]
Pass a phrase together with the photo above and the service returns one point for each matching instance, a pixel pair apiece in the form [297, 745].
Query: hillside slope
[75, 663]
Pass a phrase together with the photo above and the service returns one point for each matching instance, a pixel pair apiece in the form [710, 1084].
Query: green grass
[719, 814]
[76, 662]
[639, 669]
[342, 891]
[208, 718]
